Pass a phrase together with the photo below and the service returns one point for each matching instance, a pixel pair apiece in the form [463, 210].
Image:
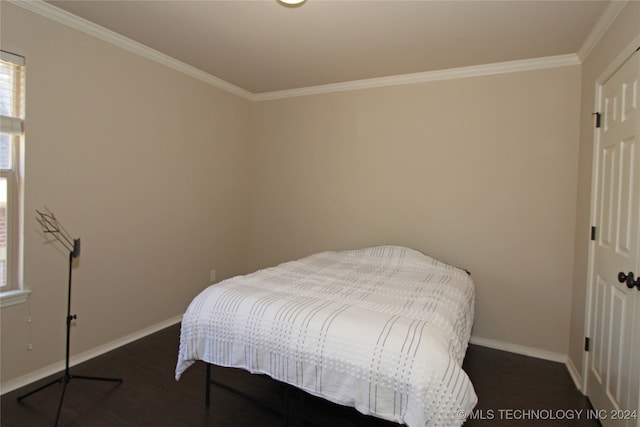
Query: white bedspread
[382, 329]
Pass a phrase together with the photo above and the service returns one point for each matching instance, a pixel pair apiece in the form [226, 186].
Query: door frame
[613, 66]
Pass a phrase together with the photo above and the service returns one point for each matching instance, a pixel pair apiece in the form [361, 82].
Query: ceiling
[263, 46]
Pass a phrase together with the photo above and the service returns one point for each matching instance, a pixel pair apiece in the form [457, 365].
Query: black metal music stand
[51, 226]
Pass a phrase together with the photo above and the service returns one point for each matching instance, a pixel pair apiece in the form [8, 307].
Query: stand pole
[67, 377]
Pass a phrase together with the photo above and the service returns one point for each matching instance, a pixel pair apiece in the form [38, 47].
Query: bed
[382, 329]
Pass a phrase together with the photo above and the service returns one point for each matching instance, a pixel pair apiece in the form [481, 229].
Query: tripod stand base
[64, 380]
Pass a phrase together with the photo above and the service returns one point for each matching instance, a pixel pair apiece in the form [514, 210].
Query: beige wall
[146, 165]
[619, 37]
[165, 178]
[478, 172]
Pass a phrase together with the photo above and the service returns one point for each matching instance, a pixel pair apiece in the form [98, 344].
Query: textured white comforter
[382, 329]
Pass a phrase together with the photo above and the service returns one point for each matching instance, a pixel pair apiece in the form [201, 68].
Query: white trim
[575, 374]
[11, 57]
[428, 76]
[602, 26]
[11, 125]
[13, 297]
[533, 352]
[591, 248]
[57, 367]
[616, 63]
[65, 18]
[520, 349]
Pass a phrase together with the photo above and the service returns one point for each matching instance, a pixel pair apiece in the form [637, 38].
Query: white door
[614, 362]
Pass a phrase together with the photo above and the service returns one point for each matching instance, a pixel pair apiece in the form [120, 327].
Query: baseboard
[16, 383]
[575, 374]
[520, 349]
[52, 369]
[533, 352]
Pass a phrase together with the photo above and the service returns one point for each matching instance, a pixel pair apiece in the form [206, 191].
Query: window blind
[11, 93]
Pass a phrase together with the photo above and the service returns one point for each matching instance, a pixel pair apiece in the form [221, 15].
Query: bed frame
[217, 340]
[287, 392]
[283, 411]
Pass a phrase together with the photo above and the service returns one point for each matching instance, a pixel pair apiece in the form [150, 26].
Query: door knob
[629, 280]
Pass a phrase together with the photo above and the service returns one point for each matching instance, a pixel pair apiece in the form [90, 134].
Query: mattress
[381, 329]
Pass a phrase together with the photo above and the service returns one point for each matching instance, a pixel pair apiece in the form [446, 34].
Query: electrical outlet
[212, 276]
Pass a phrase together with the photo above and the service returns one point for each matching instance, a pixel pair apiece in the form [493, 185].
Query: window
[11, 149]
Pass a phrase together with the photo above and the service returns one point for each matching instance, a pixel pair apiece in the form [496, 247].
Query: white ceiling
[263, 46]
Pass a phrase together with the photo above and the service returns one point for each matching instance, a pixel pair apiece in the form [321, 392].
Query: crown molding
[598, 31]
[428, 76]
[65, 18]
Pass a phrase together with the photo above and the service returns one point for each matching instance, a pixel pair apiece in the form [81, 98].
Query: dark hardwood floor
[513, 390]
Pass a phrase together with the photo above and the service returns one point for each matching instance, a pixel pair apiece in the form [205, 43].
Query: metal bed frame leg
[300, 409]
[286, 390]
[285, 406]
[207, 394]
